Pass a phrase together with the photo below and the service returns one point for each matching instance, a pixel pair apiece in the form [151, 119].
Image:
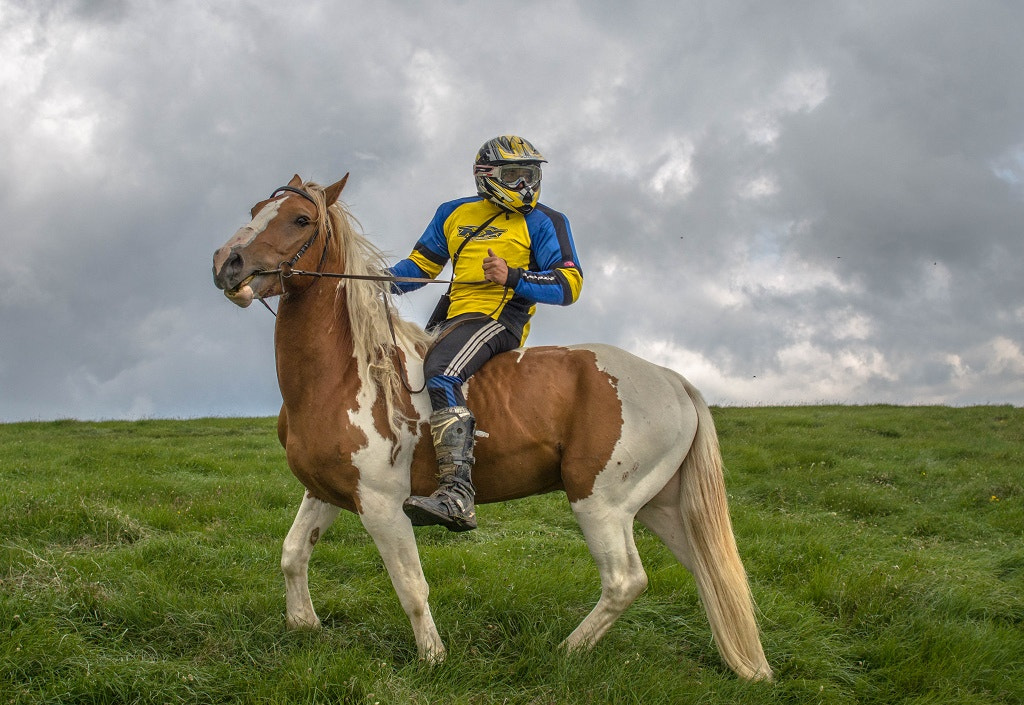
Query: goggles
[511, 175]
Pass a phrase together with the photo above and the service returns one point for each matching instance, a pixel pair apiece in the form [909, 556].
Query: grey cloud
[820, 202]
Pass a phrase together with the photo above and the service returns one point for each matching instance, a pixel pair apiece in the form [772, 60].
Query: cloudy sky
[799, 202]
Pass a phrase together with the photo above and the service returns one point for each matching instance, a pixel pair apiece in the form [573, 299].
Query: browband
[292, 189]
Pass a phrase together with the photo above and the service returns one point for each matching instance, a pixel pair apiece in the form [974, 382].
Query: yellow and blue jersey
[538, 247]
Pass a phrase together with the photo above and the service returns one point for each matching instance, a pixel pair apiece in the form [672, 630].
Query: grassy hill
[139, 564]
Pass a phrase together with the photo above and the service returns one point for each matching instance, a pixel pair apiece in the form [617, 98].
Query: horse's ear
[332, 192]
[295, 182]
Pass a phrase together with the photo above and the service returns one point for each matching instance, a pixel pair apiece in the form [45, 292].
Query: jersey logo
[489, 233]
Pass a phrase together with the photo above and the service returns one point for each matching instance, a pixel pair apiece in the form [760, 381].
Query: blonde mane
[369, 304]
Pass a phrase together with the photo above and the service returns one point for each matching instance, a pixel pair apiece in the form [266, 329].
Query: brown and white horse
[623, 438]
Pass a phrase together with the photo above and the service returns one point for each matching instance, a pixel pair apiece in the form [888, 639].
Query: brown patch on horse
[314, 428]
[552, 420]
[325, 467]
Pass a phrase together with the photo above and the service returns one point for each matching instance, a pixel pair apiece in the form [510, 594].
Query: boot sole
[421, 516]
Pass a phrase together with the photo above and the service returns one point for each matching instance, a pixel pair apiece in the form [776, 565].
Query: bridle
[286, 270]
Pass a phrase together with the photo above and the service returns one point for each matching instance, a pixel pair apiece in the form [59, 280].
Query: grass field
[139, 564]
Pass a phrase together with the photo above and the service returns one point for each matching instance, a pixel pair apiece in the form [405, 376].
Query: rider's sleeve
[554, 276]
[429, 255]
[406, 268]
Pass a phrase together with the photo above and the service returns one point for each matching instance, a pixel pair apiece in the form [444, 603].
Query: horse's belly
[500, 476]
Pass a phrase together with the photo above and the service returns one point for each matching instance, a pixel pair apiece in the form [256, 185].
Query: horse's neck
[313, 342]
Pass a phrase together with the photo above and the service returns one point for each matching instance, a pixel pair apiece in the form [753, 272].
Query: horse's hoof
[434, 657]
[302, 625]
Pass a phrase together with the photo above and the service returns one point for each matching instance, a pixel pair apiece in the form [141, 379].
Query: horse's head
[292, 223]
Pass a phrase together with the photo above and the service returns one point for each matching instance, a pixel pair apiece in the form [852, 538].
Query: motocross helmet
[507, 172]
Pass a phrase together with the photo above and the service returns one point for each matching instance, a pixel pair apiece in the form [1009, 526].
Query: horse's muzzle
[228, 266]
[229, 275]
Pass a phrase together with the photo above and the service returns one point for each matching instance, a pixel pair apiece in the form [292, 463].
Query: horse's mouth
[241, 294]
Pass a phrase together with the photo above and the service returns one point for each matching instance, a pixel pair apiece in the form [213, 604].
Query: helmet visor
[511, 175]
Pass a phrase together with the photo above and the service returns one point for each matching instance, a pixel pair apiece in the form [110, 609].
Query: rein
[286, 270]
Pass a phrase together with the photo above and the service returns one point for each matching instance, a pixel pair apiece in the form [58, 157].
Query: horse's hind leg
[609, 537]
[663, 516]
[715, 565]
[311, 521]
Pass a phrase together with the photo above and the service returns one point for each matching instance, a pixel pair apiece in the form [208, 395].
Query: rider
[525, 254]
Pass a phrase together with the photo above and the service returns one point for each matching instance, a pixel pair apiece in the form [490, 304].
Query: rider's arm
[554, 276]
[406, 268]
[429, 255]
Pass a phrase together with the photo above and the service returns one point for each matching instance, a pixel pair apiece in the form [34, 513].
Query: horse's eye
[302, 221]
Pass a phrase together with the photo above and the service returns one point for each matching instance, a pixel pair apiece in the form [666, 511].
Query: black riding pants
[466, 343]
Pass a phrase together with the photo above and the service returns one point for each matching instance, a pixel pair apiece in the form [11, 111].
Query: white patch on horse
[654, 440]
[652, 444]
[380, 502]
[257, 225]
[379, 450]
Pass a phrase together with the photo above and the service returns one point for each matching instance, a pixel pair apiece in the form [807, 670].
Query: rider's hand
[495, 268]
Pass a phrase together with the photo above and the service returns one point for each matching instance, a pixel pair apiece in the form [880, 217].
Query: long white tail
[721, 579]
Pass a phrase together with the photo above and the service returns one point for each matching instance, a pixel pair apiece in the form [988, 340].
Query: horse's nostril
[234, 263]
[226, 268]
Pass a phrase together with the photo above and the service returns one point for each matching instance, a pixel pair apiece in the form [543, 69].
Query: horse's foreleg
[311, 521]
[392, 533]
[610, 540]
